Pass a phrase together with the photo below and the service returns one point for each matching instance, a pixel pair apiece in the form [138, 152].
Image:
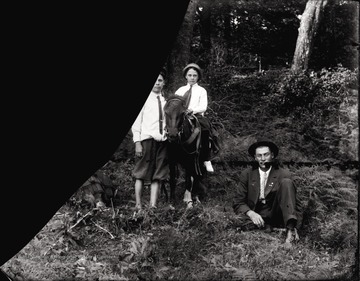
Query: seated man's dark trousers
[279, 209]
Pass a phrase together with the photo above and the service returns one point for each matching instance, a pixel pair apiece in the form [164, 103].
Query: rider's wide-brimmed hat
[273, 147]
[196, 67]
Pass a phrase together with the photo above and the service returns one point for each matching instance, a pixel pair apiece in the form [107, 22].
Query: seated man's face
[263, 155]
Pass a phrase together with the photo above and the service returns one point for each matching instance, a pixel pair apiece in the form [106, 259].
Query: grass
[204, 243]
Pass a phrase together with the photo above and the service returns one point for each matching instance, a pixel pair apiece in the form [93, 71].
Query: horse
[183, 133]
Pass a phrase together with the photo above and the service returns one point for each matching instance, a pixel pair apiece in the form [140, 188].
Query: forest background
[285, 70]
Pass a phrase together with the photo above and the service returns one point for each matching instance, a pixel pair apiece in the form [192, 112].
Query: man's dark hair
[163, 73]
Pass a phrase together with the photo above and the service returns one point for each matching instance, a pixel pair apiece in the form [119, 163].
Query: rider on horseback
[197, 102]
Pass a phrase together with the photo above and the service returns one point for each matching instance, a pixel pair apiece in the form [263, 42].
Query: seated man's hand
[256, 218]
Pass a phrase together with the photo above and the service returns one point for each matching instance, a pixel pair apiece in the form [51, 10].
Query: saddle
[191, 145]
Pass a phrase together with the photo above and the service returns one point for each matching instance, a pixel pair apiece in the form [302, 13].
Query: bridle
[180, 131]
[196, 131]
[195, 135]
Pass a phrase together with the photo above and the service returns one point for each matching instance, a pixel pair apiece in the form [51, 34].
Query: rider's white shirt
[199, 99]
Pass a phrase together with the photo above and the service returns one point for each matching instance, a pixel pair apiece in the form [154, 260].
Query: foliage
[241, 33]
[292, 94]
[247, 29]
[312, 92]
[235, 98]
[316, 103]
[332, 200]
[311, 116]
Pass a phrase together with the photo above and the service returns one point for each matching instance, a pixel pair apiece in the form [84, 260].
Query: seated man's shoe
[209, 166]
[291, 236]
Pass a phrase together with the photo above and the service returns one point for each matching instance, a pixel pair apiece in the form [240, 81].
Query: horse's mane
[174, 97]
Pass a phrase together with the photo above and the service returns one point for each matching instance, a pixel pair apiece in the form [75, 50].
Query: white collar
[194, 85]
[267, 172]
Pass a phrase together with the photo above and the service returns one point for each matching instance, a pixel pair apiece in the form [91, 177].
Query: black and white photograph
[240, 160]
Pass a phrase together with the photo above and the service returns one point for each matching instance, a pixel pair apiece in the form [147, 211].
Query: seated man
[266, 193]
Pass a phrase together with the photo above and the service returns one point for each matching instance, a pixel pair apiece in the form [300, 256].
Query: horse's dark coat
[184, 147]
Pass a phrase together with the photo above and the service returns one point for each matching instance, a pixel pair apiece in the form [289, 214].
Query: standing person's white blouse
[199, 99]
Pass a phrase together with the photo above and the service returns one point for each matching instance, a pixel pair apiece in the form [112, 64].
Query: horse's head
[174, 116]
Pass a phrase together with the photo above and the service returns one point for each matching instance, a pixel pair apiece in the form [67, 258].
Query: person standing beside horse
[266, 193]
[197, 103]
[150, 144]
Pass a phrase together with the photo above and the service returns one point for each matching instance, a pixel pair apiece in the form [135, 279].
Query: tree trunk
[180, 54]
[309, 24]
[205, 32]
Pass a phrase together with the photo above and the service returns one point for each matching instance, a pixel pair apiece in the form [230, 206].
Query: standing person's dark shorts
[153, 165]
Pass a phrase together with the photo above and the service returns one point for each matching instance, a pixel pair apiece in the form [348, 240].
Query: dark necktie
[187, 96]
[160, 115]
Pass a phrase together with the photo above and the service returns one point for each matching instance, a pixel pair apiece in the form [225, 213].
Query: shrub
[292, 95]
[318, 94]
[316, 104]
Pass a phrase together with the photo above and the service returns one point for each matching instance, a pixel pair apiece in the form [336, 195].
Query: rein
[195, 136]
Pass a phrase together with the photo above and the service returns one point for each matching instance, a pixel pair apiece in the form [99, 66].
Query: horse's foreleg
[188, 192]
[198, 189]
[195, 188]
[172, 182]
[163, 190]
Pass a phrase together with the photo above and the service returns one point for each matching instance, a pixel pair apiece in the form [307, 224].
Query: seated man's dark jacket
[248, 191]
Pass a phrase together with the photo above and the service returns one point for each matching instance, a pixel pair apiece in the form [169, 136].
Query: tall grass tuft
[330, 207]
